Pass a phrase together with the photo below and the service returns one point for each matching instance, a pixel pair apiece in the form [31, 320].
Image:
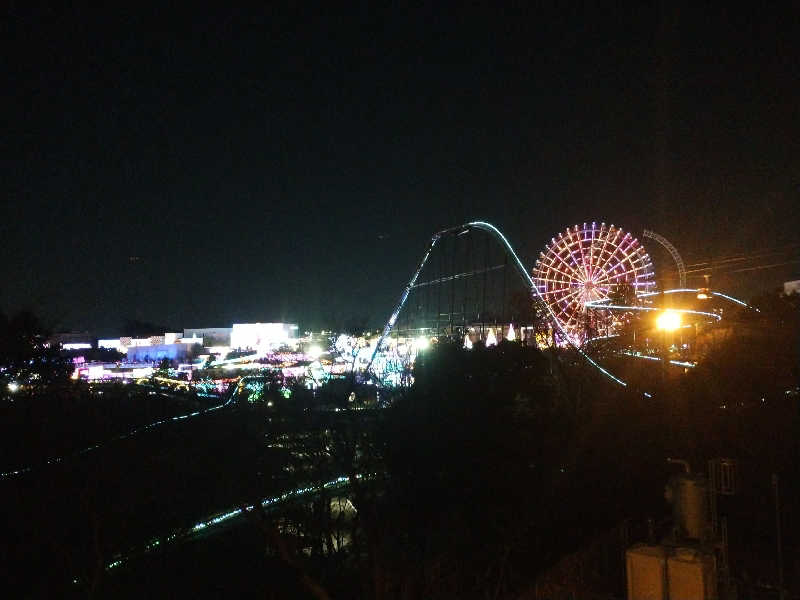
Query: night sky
[291, 165]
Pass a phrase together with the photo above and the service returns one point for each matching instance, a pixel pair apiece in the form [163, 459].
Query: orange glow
[669, 320]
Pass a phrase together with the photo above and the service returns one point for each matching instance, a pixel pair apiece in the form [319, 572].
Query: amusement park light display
[588, 264]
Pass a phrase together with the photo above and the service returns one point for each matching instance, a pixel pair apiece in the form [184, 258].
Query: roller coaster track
[521, 270]
[673, 252]
[527, 280]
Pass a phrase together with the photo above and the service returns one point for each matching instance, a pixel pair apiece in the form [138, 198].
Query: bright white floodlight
[669, 320]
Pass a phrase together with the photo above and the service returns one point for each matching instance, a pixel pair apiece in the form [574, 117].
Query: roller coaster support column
[403, 297]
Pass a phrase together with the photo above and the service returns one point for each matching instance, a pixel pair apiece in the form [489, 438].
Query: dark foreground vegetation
[502, 473]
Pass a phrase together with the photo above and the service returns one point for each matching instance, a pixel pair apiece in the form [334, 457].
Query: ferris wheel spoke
[567, 313]
[578, 291]
[616, 246]
[609, 273]
[603, 248]
[584, 264]
[560, 303]
[569, 276]
[603, 291]
[630, 251]
[573, 322]
[618, 275]
[566, 289]
[555, 280]
[626, 254]
[586, 258]
[575, 272]
[606, 241]
[578, 242]
[591, 255]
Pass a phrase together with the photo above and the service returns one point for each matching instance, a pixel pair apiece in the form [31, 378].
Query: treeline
[497, 462]
[475, 481]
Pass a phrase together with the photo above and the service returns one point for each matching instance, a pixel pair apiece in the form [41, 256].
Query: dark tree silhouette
[27, 358]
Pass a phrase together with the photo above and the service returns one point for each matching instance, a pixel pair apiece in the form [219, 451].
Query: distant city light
[314, 352]
[13, 387]
[669, 320]
[76, 346]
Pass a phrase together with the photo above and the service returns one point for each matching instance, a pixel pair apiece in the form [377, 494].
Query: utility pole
[781, 591]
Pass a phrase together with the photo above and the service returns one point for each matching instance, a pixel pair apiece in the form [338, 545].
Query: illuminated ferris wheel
[589, 263]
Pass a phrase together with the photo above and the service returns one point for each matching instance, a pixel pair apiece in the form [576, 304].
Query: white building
[262, 336]
[212, 336]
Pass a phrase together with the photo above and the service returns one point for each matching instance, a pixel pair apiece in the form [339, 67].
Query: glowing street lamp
[703, 293]
[669, 320]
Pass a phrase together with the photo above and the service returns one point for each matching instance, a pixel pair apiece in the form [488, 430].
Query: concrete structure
[212, 336]
[691, 575]
[646, 568]
[156, 353]
[666, 572]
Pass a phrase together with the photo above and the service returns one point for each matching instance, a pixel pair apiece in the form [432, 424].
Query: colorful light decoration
[511, 335]
[587, 264]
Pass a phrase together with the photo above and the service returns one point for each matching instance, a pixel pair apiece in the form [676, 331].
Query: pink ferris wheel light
[586, 264]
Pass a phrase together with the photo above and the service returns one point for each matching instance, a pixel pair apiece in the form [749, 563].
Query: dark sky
[292, 164]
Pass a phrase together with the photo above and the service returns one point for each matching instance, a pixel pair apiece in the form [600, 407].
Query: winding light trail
[600, 304]
[229, 395]
[696, 291]
[179, 535]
